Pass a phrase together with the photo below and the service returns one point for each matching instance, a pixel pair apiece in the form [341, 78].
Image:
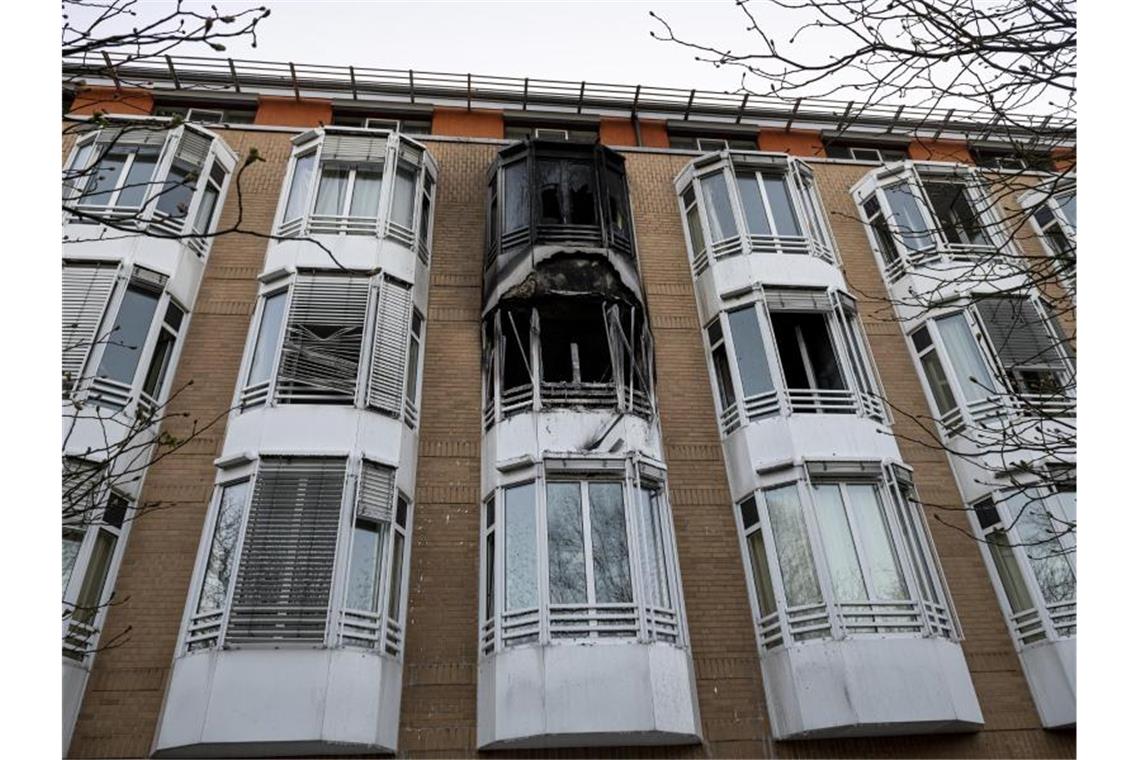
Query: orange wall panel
[653, 134]
[109, 100]
[940, 150]
[290, 112]
[617, 132]
[459, 122]
[794, 142]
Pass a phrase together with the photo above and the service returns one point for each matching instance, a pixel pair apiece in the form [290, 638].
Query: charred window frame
[557, 193]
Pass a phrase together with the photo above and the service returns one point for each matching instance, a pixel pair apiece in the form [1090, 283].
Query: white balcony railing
[739, 245]
[996, 412]
[566, 622]
[802, 401]
[910, 617]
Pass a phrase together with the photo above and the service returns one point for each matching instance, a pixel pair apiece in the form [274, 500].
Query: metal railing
[568, 622]
[802, 401]
[955, 254]
[838, 621]
[359, 82]
[761, 245]
[567, 396]
[995, 411]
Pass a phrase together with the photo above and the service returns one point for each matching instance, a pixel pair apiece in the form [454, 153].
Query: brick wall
[438, 716]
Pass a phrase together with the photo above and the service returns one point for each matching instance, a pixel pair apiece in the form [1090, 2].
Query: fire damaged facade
[575, 421]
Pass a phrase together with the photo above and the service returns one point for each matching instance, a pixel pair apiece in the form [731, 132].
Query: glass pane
[761, 576]
[718, 208]
[72, 541]
[611, 553]
[125, 341]
[910, 519]
[396, 576]
[1048, 558]
[206, 209]
[425, 214]
[299, 190]
[159, 363]
[839, 545]
[102, 178]
[566, 543]
[331, 190]
[793, 551]
[751, 358]
[520, 557]
[618, 199]
[723, 377]
[268, 338]
[220, 561]
[138, 183]
[580, 192]
[1068, 205]
[364, 568]
[1008, 572]
[781, 201]
[90, 597]
[955, 213]
[653, 564]
[878, 546]
[696, 236]
[965, 358]
[366, 193]
[404, 203]
[908, 219]
[755, 215]
[939, 385]
[413, 368]
[178, 191]
[489, 571]
[550, 192]
[516, 202]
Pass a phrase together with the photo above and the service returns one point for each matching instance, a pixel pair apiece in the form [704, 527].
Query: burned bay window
[543, 192]
[573, 352]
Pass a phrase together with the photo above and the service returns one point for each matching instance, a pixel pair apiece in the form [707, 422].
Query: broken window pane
[806, 352]
[516, 348]
[951, 203]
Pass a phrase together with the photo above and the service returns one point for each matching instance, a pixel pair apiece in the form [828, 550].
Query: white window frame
[1032, 203]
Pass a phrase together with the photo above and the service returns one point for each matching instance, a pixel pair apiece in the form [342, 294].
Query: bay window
[752, 203]
[1054, 215]
[1017, 337]
[353, 184]
[586, 552]
[284, 540]
[1028, 534]
[309, 344]
[794, 351]
[841, 550]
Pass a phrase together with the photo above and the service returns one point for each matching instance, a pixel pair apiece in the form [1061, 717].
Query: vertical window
[366, 565]
[932, 369]
[751, 357]
[1002, 553]
[72, 542]
[520, 556]
[268, 338]
[720, 366]
[1039, 532]
[718, 207]
[90, 599]
[965, 358]
[654, 562]
[163, 352]
[332, 189]
[138, 182]
[780, 204]
[757, 557]
[396, 587]
[618, 202]
[909, 221]
[566, 543]
[223, 546]
[839, 544]
[299, 190]
[489, 561]
[1031, 356]
[425, 210]
[881, 230]
[124, 342]
[404, 195]
[366, 191]
[611, 552]
[693, 222]
[755, 213]
[178, 190]
[806, 353]
[414, 339]
[516, 197]
[793, 549]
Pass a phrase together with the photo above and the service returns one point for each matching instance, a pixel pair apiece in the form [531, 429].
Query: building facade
[553, 418]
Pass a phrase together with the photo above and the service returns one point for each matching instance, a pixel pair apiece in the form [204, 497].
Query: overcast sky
[596, 41]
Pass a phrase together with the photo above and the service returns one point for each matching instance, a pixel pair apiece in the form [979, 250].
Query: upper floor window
[381, 121]
[797, 351]
[752, 204]
[915, 215]
[126, 327]
[1013, 158]
[209, 113]
[566, 195]
[580, 133]
[1054, 216]
[844, 551]
[358, 184]
[277, 551]
[147, 173]
[93, 520]
[866, 150]
[1017, 338]
[310, 344]
[602, 538]
[1029, 535]
[577, 353]
[708, 142]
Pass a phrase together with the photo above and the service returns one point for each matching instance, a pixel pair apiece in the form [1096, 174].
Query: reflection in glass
[125, 341]
[566, 543]
[331, 190]
[780, 200]
[268, 337]
[298, 191]
[718, 207]
[793, 550]
[519, 547]
[611, 553]
[885, 572]
[839, 545]
[220, 561]
[365, 566]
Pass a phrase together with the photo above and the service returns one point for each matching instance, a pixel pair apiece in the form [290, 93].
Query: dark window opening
[1012, 158]
[208, 113]
[566, 192]
[956, 215]
[711, 142]
[516, 348]
[575, 348]
[806, 351]
[865, 151]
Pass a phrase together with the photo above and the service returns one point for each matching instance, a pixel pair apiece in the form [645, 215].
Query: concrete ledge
[1051, 670]
[280, 702]
[587, 695]
[869, 687]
